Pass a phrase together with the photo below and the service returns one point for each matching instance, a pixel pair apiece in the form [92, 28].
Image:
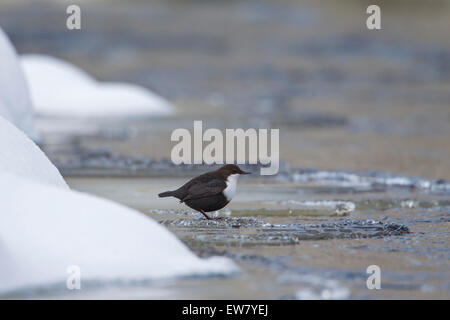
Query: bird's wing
[204, 189]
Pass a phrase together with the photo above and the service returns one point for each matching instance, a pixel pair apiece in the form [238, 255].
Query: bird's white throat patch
[230, 190]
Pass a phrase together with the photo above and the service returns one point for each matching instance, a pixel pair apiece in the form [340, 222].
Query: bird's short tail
[166, 194]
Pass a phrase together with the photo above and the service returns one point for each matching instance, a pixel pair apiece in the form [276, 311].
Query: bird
[210, 191]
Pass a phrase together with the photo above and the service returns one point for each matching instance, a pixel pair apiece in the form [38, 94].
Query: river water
[307, 240]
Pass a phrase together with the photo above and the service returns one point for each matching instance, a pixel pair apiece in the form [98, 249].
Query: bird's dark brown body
[209, 204]
[209, 191]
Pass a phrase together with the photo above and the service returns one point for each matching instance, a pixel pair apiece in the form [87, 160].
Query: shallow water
[296, 246]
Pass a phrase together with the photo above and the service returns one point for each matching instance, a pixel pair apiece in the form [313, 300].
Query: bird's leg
[203, 212]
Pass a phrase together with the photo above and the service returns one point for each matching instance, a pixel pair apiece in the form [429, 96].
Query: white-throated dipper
[210, 191]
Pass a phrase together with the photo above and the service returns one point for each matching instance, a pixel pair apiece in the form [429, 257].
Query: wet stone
[254, 231]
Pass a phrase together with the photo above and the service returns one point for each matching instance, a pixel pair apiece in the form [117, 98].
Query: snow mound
[60, 89]
[23, 157]
[106, 241]
[15, 102]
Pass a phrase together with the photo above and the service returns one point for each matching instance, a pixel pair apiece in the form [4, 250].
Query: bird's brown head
[230, 169]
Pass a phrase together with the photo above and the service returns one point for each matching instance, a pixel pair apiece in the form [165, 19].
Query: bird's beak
[244, 172]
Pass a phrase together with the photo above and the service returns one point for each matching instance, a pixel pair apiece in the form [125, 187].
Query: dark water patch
[309, 120]
[254, 232]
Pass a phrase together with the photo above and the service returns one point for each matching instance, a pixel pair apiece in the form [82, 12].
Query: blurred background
[345, 97]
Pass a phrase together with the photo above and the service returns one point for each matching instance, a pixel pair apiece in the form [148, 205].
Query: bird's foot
[206, 216]
[209, 217]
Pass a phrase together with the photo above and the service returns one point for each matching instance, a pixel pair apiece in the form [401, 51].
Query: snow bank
[44, 230]
[59, 88]
[21, 156]
[15, 102]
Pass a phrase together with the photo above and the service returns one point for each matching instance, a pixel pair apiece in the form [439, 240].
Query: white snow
[45, 229]
[60, 89]
[15, 102]
[21, 156]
